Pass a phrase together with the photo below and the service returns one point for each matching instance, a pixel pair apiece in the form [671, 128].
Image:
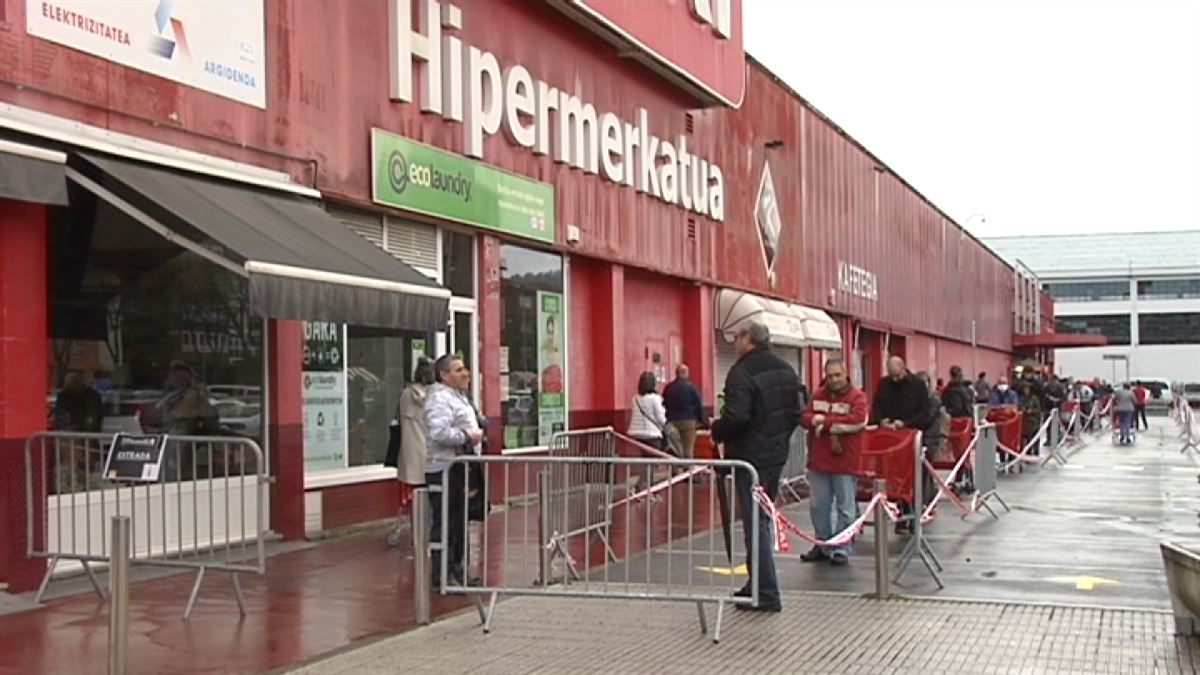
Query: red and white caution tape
[1024, 455]
[662, 485]
[782, 525]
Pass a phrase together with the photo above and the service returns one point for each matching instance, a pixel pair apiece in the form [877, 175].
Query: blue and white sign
[214, 46]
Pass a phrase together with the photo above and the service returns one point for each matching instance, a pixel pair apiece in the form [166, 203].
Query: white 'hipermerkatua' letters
[464, 84]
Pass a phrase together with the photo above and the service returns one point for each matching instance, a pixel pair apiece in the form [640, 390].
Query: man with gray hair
[762, 406]
[452, 429]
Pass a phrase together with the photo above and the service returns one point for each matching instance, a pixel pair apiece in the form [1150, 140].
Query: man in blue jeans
[836, 419]
[762, 402]
[1124, 403]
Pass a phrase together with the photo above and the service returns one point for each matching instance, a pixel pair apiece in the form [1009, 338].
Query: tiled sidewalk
[816, 633]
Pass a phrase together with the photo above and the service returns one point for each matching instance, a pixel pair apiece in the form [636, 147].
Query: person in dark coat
[958, 398]
[901, 402]
[761, 410]
[900, 399]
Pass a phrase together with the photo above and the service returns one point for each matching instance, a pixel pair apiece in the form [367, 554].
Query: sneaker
[815, 554]
[743, 592]
[839, 559]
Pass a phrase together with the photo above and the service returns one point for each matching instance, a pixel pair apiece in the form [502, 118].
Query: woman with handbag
[406, 440]
[648, 417]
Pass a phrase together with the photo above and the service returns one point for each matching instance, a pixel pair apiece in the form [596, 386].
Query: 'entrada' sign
[468, 85]
[135, 458]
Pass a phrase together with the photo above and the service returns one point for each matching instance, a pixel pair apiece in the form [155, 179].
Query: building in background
[1140, 290]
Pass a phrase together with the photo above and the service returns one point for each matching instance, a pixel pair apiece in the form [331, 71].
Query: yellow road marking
[726, 571]
[1083, 582]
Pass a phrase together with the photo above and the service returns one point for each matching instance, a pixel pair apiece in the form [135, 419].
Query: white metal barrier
[680, 528]
[205, 511]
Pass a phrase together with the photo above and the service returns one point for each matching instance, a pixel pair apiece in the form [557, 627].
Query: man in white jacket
[453, 429]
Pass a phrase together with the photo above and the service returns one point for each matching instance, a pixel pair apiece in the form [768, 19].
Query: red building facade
[639, 270]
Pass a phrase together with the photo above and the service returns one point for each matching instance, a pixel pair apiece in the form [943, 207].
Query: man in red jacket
[836, 420]
[1139, 407]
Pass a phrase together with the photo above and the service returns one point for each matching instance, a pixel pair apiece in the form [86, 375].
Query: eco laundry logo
[409, 175]
[398, 171]
[402, 172]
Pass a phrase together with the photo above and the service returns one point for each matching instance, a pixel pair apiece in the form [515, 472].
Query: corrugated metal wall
[840, 206]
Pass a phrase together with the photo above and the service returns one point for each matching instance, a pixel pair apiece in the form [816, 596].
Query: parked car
[1191, 394]
[1160, 390]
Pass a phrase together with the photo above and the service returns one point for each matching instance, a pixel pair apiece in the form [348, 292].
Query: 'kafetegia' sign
[135, 458]
[857, 281]
[465, 84]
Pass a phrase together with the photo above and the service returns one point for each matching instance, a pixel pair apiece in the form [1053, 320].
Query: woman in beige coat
[409, 424]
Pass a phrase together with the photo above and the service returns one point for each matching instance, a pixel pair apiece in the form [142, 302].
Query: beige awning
[790, 325]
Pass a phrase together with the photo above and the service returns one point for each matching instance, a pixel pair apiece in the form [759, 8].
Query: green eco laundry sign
[417, 177]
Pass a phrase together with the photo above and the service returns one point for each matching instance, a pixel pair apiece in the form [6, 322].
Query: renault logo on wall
[766, 215]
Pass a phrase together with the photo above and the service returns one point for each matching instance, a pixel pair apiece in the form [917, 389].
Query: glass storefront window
[533, 344]
[458, 263]
[353, 377]
[147, 337]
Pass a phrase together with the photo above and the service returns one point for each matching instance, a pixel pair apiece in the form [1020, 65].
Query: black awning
[26, 175]
[301, 262]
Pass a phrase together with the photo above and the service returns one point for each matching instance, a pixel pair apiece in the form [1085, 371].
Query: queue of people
[763, 403]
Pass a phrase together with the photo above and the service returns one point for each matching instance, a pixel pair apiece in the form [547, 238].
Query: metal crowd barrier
[1186, 420]
[795, 471]
[206, 511]
[669, 547]
[581, 493]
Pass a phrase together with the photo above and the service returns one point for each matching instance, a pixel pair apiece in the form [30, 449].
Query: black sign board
[135, 457]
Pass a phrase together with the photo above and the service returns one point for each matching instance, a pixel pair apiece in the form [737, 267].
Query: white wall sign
[766, 216]
[465, 84]
[214, 46]
[857, 281]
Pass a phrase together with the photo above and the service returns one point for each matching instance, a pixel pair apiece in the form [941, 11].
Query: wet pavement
[830, 634]
[1084, 535]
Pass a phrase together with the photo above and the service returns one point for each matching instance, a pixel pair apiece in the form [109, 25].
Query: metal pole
[544, 526]
[883, 579]
[420, 537]
[1055, 429]
[118, 592]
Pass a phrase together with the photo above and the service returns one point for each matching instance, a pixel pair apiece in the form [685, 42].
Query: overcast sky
[1046, 116]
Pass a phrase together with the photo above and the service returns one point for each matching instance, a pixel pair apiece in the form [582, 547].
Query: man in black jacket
[958, 398]
[900, 399]
[901, 402]
[762, 408]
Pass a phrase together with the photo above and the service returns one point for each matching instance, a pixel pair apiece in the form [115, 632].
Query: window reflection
[532, 347]
[148, 337]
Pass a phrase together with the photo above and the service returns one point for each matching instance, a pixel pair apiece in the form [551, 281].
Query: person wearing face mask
[1003, 395]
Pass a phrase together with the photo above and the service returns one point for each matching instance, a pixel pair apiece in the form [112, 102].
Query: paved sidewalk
[816, 633]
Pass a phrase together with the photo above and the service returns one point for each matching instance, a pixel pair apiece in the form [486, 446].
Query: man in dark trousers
[901, 402]
[684, 409]
[762, 406]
